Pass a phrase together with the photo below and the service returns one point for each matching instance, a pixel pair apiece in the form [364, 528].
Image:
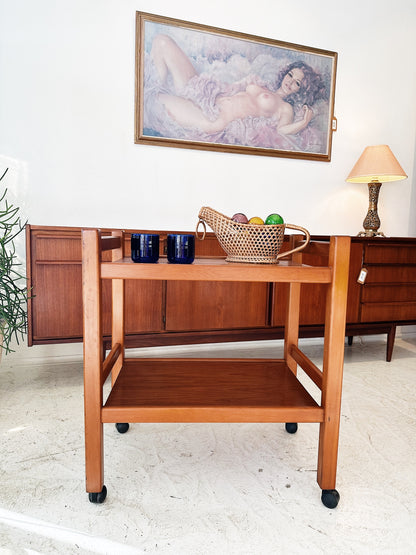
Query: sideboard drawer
[390, 274]
[65, 247]
[393, 254]
[388, 311]
[388, 293]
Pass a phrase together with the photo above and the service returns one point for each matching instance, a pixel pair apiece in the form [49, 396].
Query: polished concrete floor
[199, 489]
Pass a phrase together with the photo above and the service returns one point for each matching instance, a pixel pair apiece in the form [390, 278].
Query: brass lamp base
[370, 233]
[371, 222]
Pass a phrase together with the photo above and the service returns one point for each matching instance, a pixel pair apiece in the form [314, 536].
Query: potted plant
[13, 290]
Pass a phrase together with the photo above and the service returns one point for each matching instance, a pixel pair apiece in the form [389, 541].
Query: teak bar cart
[211, 390]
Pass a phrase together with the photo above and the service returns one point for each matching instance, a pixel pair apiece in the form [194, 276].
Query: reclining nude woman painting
[204, 87]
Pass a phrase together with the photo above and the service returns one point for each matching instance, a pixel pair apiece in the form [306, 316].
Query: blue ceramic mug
[144, 247]
[181, 248]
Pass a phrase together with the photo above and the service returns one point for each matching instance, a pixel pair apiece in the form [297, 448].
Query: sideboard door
[215, 305]
[55, 310]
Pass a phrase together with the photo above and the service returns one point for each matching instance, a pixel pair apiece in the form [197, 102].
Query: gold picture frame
[201, 87]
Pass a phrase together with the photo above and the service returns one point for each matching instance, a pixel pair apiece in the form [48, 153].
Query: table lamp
[376, 165]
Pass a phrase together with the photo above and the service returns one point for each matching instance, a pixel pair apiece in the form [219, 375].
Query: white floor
[202, 489]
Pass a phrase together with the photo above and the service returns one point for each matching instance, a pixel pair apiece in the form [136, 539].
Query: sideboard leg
[390, 342]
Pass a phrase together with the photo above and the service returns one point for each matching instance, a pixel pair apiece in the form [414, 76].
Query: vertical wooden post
[118, 308]
[333, 362]
[93, 360]
[292, 315]
[292, 324]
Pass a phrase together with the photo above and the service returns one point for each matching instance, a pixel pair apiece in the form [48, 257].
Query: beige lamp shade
[376, 164]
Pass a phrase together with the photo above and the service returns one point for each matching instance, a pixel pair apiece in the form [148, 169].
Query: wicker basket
[257, 244]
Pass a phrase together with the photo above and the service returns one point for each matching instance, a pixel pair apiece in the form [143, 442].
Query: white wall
[67, 117]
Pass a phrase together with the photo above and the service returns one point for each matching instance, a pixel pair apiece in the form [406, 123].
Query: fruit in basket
[256, 220]
[240, 218]
[274, 219]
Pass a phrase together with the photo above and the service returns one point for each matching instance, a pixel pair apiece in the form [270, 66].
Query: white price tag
[362, 275]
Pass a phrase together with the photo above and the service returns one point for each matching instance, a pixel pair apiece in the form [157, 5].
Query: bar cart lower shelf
[211, 389]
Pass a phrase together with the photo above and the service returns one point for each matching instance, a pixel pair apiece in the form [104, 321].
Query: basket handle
[300, 247]
[204, 230]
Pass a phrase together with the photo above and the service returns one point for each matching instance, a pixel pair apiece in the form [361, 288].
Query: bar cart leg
[94, 457]
[93, 361]
[94, 449]
[332, 370]
[327, 463]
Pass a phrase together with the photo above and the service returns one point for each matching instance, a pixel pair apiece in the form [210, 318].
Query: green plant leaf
[13, 284]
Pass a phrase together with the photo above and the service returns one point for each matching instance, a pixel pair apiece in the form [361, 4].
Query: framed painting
[202, 87]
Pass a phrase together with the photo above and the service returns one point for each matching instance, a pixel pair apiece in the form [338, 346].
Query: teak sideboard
[211, 390]
[157, 315]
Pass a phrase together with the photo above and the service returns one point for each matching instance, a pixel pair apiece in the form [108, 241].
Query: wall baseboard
[73, 352]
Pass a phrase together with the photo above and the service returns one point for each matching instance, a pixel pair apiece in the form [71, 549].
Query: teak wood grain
[208, 390]
[209, 269]
[224, 311]
[211, 390]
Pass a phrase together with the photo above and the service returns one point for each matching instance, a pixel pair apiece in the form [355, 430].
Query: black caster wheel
[122, 427]
[291, 427]
[98, 497]
[330, 498]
